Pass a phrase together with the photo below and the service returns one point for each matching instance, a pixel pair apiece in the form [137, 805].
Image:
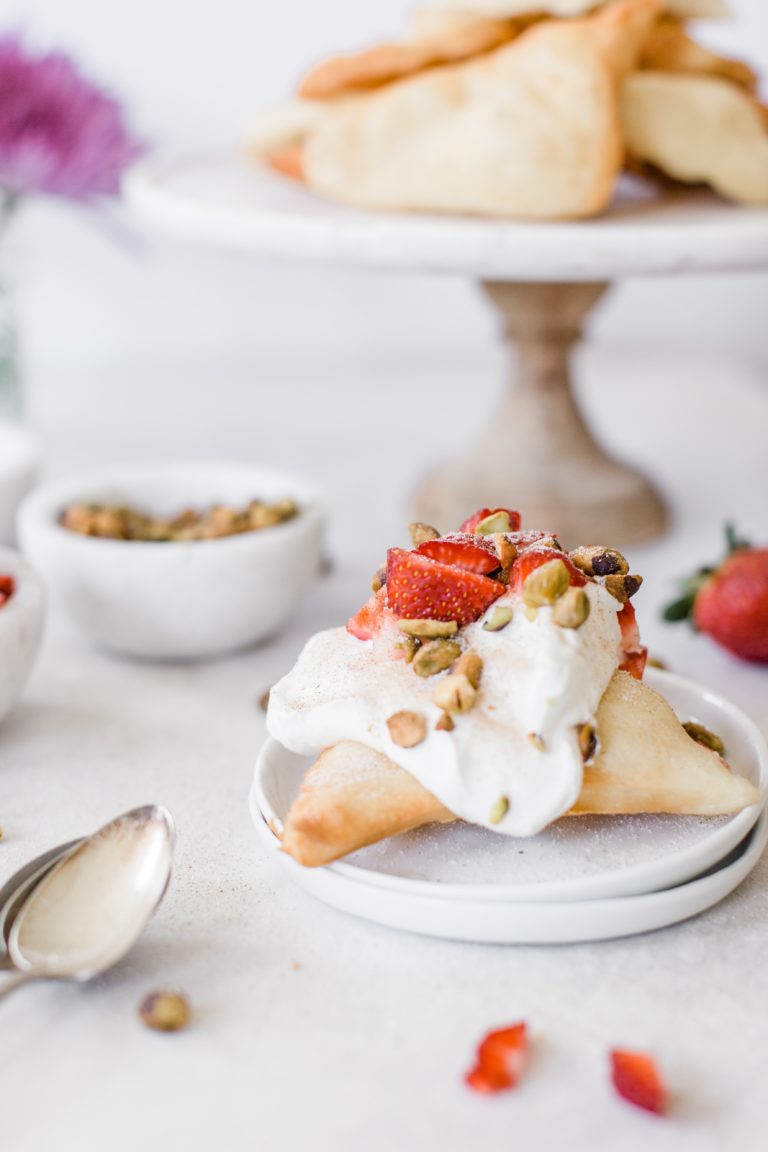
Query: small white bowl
[19, 459]
[21, 627]
[176, 600]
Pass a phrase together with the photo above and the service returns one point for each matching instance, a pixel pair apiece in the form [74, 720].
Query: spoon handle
[14, 982]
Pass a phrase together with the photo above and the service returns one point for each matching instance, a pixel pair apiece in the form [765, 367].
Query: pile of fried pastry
[512, 108]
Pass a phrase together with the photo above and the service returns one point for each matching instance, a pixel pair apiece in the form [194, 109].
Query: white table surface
[313, 1030]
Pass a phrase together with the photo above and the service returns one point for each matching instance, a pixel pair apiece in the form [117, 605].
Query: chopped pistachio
[595, 560]
[435, 656]
[409, 646]
[428, 629]
[498, 619]
[537, 740]
[530, 613]
[165, 1010]
[505, 550]
[379, 579]
[587, 737]
[407, 729]
[703, 736]
[546, 584]
[655, 662]
[445, 723]
[496, 522]
[455, 693]
[572, 609]
[471, 666]
[420, 533]
[622, 587]
[499, 809]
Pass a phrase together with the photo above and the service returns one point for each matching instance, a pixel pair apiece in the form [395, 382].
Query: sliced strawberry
[532, 558]
[419, 588]
[471, 524]
[7, 586]
[636, 1078]
[501, 1058]
[632, 653]
[462, 550]
[368, 621]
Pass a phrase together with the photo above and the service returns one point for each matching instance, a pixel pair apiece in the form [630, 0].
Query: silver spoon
[89, 910]
[16, 890]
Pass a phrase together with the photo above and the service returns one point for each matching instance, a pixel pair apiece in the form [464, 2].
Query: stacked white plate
[585, 878]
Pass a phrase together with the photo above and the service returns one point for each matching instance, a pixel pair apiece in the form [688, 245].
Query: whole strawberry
[730, 602]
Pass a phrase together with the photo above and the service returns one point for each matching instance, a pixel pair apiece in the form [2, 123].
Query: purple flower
[59, 133]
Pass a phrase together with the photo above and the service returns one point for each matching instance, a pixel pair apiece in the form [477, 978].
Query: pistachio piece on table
[499, 618]
[546, 584]
[445, 723]
[655, 662]
[537, 740]
[499, 809]
[420, 533]
[455, 693]
[703, 736]
[623, 587]
[435, 656]
[165, 1010]
[471, 666]
[572, 609]
[587, 737]
[596, 560]
[496, 522]
[407, 729]
[428, 629]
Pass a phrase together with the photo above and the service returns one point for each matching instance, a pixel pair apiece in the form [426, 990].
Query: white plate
[499, 922]
[578, 859]
[230, 201]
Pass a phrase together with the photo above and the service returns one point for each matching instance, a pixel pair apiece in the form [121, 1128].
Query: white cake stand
[543, 278]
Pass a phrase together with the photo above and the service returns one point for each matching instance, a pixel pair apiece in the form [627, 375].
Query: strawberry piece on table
[368, 621]
[482, 513]
[472, 553]
[636, 1078]
[501, 1059]
[7, 587]
[729, 602]
[422, 589]
[533, 558]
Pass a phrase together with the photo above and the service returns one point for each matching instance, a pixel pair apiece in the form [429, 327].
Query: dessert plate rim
[544, 922]
[669, 870]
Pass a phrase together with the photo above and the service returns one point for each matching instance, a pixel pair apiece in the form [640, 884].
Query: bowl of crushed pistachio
[176, 561]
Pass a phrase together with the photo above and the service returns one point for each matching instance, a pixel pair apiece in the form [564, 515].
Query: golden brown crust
[670, 49]
[385, 63]
[353, 796]
[288, 162]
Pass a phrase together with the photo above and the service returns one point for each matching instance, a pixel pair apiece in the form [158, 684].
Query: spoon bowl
[90, 907]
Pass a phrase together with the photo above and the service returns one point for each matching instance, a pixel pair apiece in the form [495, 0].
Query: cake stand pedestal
[543, 278]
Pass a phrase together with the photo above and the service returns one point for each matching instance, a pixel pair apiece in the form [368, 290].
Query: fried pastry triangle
[698, 129]
[353, 796]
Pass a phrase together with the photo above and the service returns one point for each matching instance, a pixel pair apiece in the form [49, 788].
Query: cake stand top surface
[231, 202]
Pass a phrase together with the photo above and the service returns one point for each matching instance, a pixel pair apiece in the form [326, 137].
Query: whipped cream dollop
[540, 683]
